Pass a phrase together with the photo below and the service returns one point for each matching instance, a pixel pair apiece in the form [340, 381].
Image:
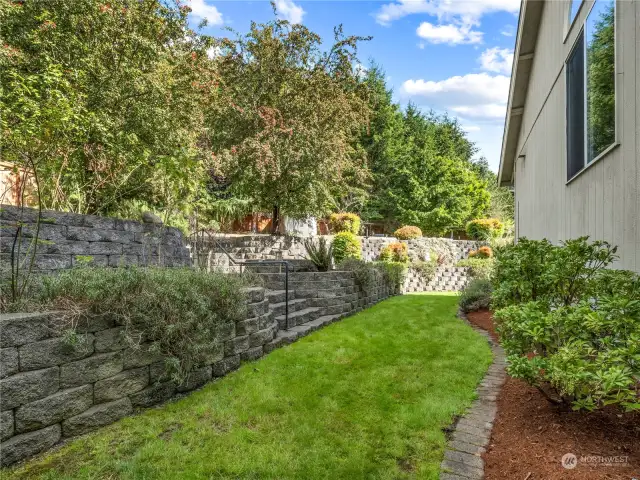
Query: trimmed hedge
[407, 232]
[346, 245]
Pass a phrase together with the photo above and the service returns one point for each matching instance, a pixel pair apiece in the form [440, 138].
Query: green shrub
[182, 312]
[476, 295]
[393, 274]
[346, 245]
[344, 222]
[366, 274]
[407, 232]
[320, 254]
[485, 228]
[395, 252]
[426, 269]
[569, 326]
[478, 267]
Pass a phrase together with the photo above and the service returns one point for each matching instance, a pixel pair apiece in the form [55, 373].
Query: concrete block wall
[67, 238]
[421, 248]
[446, 279]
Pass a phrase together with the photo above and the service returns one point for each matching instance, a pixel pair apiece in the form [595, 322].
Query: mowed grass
[365, 398]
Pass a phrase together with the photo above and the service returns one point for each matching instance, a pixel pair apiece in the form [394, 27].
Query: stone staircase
[316, 299]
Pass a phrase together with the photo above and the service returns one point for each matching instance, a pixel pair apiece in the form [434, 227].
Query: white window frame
[570, 22]
[617, 88]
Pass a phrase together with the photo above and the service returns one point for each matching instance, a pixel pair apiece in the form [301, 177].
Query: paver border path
[472, 432]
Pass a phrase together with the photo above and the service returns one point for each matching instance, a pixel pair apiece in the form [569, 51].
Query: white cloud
[471, 128]
[450, 34]
[489, 111]
[468, 90]
[467, 12]
[421, 45]
[289, 11]
[508, 31]
[200, 10]
[498, 60]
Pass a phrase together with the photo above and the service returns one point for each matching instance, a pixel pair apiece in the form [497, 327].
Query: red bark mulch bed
[530, 435]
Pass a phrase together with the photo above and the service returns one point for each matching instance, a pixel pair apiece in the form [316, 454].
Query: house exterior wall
[603, 201]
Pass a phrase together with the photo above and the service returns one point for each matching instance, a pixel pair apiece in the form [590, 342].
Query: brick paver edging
[471, 434]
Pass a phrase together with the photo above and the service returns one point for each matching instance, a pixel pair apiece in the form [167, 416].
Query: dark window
[575, 109]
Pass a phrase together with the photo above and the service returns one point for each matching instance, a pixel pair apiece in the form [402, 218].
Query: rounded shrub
[484, 228]
[346, 245]
[407, 232]
[395, 252]
[344, 222]
[481, 253]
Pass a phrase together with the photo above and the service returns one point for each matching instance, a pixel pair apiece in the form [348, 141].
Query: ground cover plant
[367, 397]
[179, 312]
[570, 326]
[476, 295]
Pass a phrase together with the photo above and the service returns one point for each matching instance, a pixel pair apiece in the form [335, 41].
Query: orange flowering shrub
[484, 228]
[482, 252]
[407, 232]
[395, 252]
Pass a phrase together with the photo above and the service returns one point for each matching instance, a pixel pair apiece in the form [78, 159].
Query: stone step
[333, 300]
[277, 296]
[325, 292]
[306, 276]
[325, 285]
[294, 306]
[301, 316]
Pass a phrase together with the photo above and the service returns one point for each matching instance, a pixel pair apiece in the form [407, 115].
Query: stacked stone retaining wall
[65, 239]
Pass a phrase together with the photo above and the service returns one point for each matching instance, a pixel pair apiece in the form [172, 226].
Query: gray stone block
[225, 366]
[195, 379]
[53, 409]
[158, 373]
[128, 225]
[26, 387]
[226, 331]
[28, 444]
[21, 328]
[55, 351]
[95, 323]
[140, 356]
[121, 385]
[252, 354]
[91, 369]
[94, 221]
[261, 337]
[123, 260]
[110, 340]
[96, 416]
[105, 248]
[6, 424]
[8, 361]
[153, 395]
[236, 345]
[246, 327]
[214, 354]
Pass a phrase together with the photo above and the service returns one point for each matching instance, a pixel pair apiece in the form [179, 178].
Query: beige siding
[604, 200]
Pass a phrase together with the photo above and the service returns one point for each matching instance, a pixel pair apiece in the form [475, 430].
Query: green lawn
[365, 398]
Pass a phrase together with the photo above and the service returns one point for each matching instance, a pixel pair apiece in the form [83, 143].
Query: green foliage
[321, 254]
[570, 326]
[425, 268]
[367, 274]
[393, 273]
[346, 245]
[484, 228]
[182, 312]
[422, 166]
[407, 233]
[476, 295]
[283, 131]
[395, 252]
[344, 222]
[481, 268]
[103, 100]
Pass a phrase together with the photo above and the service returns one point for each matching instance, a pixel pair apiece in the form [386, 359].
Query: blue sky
[447, 55]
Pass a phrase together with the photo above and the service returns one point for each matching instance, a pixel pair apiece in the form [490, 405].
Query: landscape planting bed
[530, 435]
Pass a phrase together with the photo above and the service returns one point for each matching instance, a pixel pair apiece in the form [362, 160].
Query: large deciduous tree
[104, 99]
[283, 135]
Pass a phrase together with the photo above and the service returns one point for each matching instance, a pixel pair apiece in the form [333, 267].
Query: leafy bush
[478, 267]
[346, 245]
[570, 327]
[476, 295]
[344, 222]
[425, 268]
[407, 233]
[182, 312]
[395, 252]
[320, 254]
[393, 274]
[484, 228]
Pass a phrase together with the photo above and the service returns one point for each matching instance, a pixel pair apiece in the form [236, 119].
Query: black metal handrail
[255, 262]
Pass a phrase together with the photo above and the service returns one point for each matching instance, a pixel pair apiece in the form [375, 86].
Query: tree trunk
[275, 220]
